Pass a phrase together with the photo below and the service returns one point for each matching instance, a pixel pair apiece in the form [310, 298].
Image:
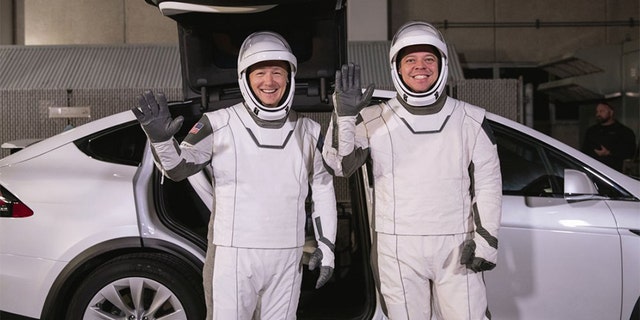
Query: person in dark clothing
[609, 141]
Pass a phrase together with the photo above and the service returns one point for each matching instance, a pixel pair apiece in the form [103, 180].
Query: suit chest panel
[397, 139]
[245, 152]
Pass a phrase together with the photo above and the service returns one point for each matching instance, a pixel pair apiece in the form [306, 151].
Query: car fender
[74, 272]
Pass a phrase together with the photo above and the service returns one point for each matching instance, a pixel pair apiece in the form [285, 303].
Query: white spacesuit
[263, 160]
[437, 185]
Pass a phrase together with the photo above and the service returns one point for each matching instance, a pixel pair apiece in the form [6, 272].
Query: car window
[559, 162]
[521, 165]
[122, 144]
[532, 168]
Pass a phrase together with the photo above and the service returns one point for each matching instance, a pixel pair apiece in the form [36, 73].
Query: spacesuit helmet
[419, 33]
[266, 46]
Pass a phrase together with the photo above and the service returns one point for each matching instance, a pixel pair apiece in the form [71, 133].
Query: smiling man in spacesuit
[263, 157]
[437, 182]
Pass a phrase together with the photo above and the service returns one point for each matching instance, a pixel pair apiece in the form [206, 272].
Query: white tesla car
[85, 218]
[89, 229]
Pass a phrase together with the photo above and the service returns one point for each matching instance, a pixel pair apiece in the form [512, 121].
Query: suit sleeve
[348, 146]
[324, 214]
[179, 161]
[487, 193]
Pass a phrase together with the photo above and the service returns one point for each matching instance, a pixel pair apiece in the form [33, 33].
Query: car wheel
[140, 286]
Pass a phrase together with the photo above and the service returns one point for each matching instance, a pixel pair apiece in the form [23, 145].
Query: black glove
[469, 259]
[348, 97]
[325, 271]
[155, 118]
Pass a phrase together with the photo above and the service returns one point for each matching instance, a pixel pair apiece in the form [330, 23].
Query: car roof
[68, 136]
[211, 33]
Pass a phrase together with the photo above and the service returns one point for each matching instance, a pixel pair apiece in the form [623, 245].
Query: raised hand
[155, 118]
[348, 98]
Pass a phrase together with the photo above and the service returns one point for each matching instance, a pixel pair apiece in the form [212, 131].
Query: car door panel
[544, 250]
[627, 215]
[547, 244]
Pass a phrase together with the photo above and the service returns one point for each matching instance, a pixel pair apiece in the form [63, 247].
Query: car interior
[209, 45]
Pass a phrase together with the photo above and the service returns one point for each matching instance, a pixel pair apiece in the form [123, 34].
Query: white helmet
[259, 47]
[419, 33]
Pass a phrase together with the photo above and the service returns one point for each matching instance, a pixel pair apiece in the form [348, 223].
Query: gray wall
[64, 22]
[486, 38]
[6, 21]
[372, 18]
[490, 35]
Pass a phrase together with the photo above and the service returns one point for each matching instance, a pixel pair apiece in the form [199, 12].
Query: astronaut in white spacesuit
[263, 157]
[437, 182]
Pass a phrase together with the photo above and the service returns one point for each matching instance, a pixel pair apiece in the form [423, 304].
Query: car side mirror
[578, 186]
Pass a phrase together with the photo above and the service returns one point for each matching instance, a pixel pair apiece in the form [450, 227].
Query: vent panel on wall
[24, 114]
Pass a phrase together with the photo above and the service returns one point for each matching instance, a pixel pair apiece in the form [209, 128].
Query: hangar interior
[551, 61]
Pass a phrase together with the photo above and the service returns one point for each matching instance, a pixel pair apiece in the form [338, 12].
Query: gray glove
[469, 259]
[348, 98]
[155, 118]
[325, 271]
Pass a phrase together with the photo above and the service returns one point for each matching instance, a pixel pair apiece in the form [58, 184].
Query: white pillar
[367, 20]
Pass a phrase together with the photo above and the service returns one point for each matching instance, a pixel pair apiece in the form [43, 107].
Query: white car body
[79, 203]
[102, 231]
[562, 259]
[558, 259]
[568, 257]
[83, 207]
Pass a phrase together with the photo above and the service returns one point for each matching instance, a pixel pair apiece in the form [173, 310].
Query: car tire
[139, 286]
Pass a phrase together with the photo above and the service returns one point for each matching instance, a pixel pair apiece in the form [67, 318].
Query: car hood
[211, 33]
